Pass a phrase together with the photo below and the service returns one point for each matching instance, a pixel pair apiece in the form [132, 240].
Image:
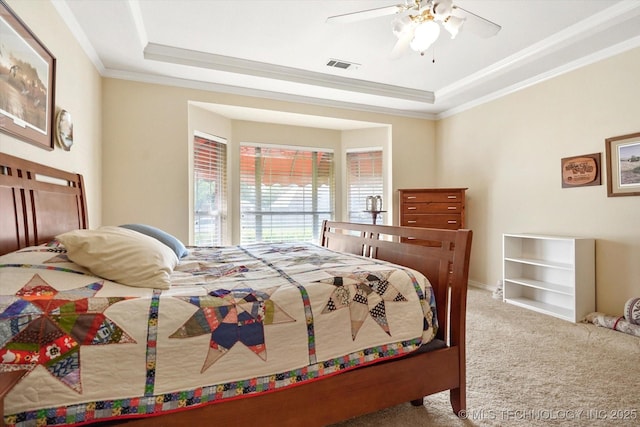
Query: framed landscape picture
[27, 82]
[623, 165]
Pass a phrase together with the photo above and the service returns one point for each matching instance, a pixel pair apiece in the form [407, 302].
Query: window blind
[285, 193]
[364, 178]
[210, 188]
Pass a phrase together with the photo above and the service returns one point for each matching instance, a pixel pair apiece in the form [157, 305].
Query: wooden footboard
[442, 256]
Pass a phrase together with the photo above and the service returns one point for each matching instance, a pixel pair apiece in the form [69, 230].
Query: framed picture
[581, 171]
[27, 82]
[623, 165]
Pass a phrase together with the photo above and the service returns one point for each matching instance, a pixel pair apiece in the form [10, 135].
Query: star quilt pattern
[365, 294]
[41, 326]
[237, 321]
[230, 317]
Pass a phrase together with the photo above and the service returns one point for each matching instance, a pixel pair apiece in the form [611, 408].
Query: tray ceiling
[280, 49]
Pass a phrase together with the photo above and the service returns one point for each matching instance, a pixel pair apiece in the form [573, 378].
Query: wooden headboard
[37, 203]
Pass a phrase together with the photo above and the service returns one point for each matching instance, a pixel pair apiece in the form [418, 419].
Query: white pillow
[121, 255]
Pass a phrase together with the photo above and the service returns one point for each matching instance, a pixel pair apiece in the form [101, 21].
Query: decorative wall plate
[64, 130]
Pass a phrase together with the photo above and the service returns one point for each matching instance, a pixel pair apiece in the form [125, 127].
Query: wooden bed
[39, 202]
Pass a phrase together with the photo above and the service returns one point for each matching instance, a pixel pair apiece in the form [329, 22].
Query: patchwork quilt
[237, 321]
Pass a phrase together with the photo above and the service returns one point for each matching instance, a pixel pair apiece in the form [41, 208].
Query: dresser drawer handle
[411, 238]
[411, 197]
[413, 222]
[452, 208]
[412, 208]
[452, 221]
[452, 197]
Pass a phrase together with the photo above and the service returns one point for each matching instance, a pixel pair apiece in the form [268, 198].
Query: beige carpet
[525, 368]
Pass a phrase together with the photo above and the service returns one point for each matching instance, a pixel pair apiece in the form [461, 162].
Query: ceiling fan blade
[402, 44]
[366, 14]
[477, 24]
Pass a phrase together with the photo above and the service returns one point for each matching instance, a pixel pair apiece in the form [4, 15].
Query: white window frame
[364, 217]
[220, 215]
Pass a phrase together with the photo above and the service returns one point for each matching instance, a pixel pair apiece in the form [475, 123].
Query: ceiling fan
[420, 28]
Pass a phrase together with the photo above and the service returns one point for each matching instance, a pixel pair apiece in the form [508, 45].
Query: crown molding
[607, 18]
[556, 72]
[138, 21]
[71, 22]
[176, 55]
[258, 93]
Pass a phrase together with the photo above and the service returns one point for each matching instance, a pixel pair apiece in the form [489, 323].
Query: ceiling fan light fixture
[442, 9]
[453, 24]
[418, 24]
[425, 35]
[401, 25]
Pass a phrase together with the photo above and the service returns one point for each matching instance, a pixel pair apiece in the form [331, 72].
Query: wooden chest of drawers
[432, 207]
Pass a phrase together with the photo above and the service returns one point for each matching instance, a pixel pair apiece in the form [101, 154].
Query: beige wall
[146, 147]
[508, 153]
[78, 90]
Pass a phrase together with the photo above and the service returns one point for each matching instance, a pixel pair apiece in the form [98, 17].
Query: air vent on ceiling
[344, 65]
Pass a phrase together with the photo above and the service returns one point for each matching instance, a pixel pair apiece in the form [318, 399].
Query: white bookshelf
[553, 275]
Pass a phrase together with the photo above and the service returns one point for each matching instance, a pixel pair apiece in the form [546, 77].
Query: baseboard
[481, 285]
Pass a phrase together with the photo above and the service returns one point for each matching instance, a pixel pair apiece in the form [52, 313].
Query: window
[285, 192]
[364, 178]
[210, 188]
